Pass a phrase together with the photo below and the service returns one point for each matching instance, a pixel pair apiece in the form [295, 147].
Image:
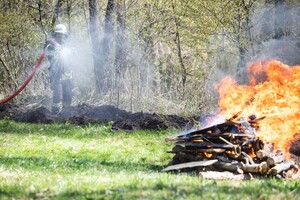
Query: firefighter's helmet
[60, 28]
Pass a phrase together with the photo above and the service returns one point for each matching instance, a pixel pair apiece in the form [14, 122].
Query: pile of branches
[229, 150]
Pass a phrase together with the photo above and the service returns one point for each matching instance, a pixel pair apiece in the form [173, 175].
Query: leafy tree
[161, 56]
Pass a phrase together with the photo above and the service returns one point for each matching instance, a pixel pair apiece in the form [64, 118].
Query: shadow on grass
[65, 130]
[57, 130]
[73, 164]
[207, 190]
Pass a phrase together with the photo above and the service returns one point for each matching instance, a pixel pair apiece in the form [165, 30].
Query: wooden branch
[190, 165]
[227, 142]
[235, 115]
[172, 139]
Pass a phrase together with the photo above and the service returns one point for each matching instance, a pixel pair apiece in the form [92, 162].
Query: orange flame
[274, 92]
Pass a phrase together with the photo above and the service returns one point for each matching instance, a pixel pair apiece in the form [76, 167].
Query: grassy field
[63, 161]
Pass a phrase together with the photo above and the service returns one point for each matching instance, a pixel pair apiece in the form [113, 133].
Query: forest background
[155, 56]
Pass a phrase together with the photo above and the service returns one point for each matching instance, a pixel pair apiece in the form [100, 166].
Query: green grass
[63, 161]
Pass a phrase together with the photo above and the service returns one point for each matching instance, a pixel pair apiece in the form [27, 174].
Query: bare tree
[243, 36]
[101, 48]
[104, 76]
[94, 33]
[179, 51]
[121, 48]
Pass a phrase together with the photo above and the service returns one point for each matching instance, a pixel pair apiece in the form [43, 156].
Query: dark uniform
[60, 74]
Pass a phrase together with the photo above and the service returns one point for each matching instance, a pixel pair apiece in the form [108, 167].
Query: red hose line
[37, 65]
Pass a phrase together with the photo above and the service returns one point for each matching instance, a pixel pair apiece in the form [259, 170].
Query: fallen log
[284, 166]
[275, 159]
[261, 154]
[223, 175]
[255, 168]
[266, 151]
[232, 167]
[257, 144]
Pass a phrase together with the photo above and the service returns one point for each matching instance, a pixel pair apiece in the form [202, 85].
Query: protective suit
[60, 74]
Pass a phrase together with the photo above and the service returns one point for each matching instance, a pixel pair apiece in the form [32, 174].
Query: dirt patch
[86, 114]
[121, 120]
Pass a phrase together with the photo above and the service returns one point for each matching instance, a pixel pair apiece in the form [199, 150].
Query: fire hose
[37, 65]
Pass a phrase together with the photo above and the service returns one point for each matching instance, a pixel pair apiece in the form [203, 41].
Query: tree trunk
[179, 53]
[94, 33]
[120, 58]
[104, 72]
[246, 50]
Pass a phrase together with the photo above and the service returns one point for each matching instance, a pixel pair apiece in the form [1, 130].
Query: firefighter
[59, 72]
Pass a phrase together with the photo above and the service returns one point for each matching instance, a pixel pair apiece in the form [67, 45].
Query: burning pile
[274, 91]
[240, 146]
[230, 146]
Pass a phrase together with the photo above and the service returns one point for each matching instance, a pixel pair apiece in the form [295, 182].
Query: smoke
[285, 50]
[210, 120]
[275, 34]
